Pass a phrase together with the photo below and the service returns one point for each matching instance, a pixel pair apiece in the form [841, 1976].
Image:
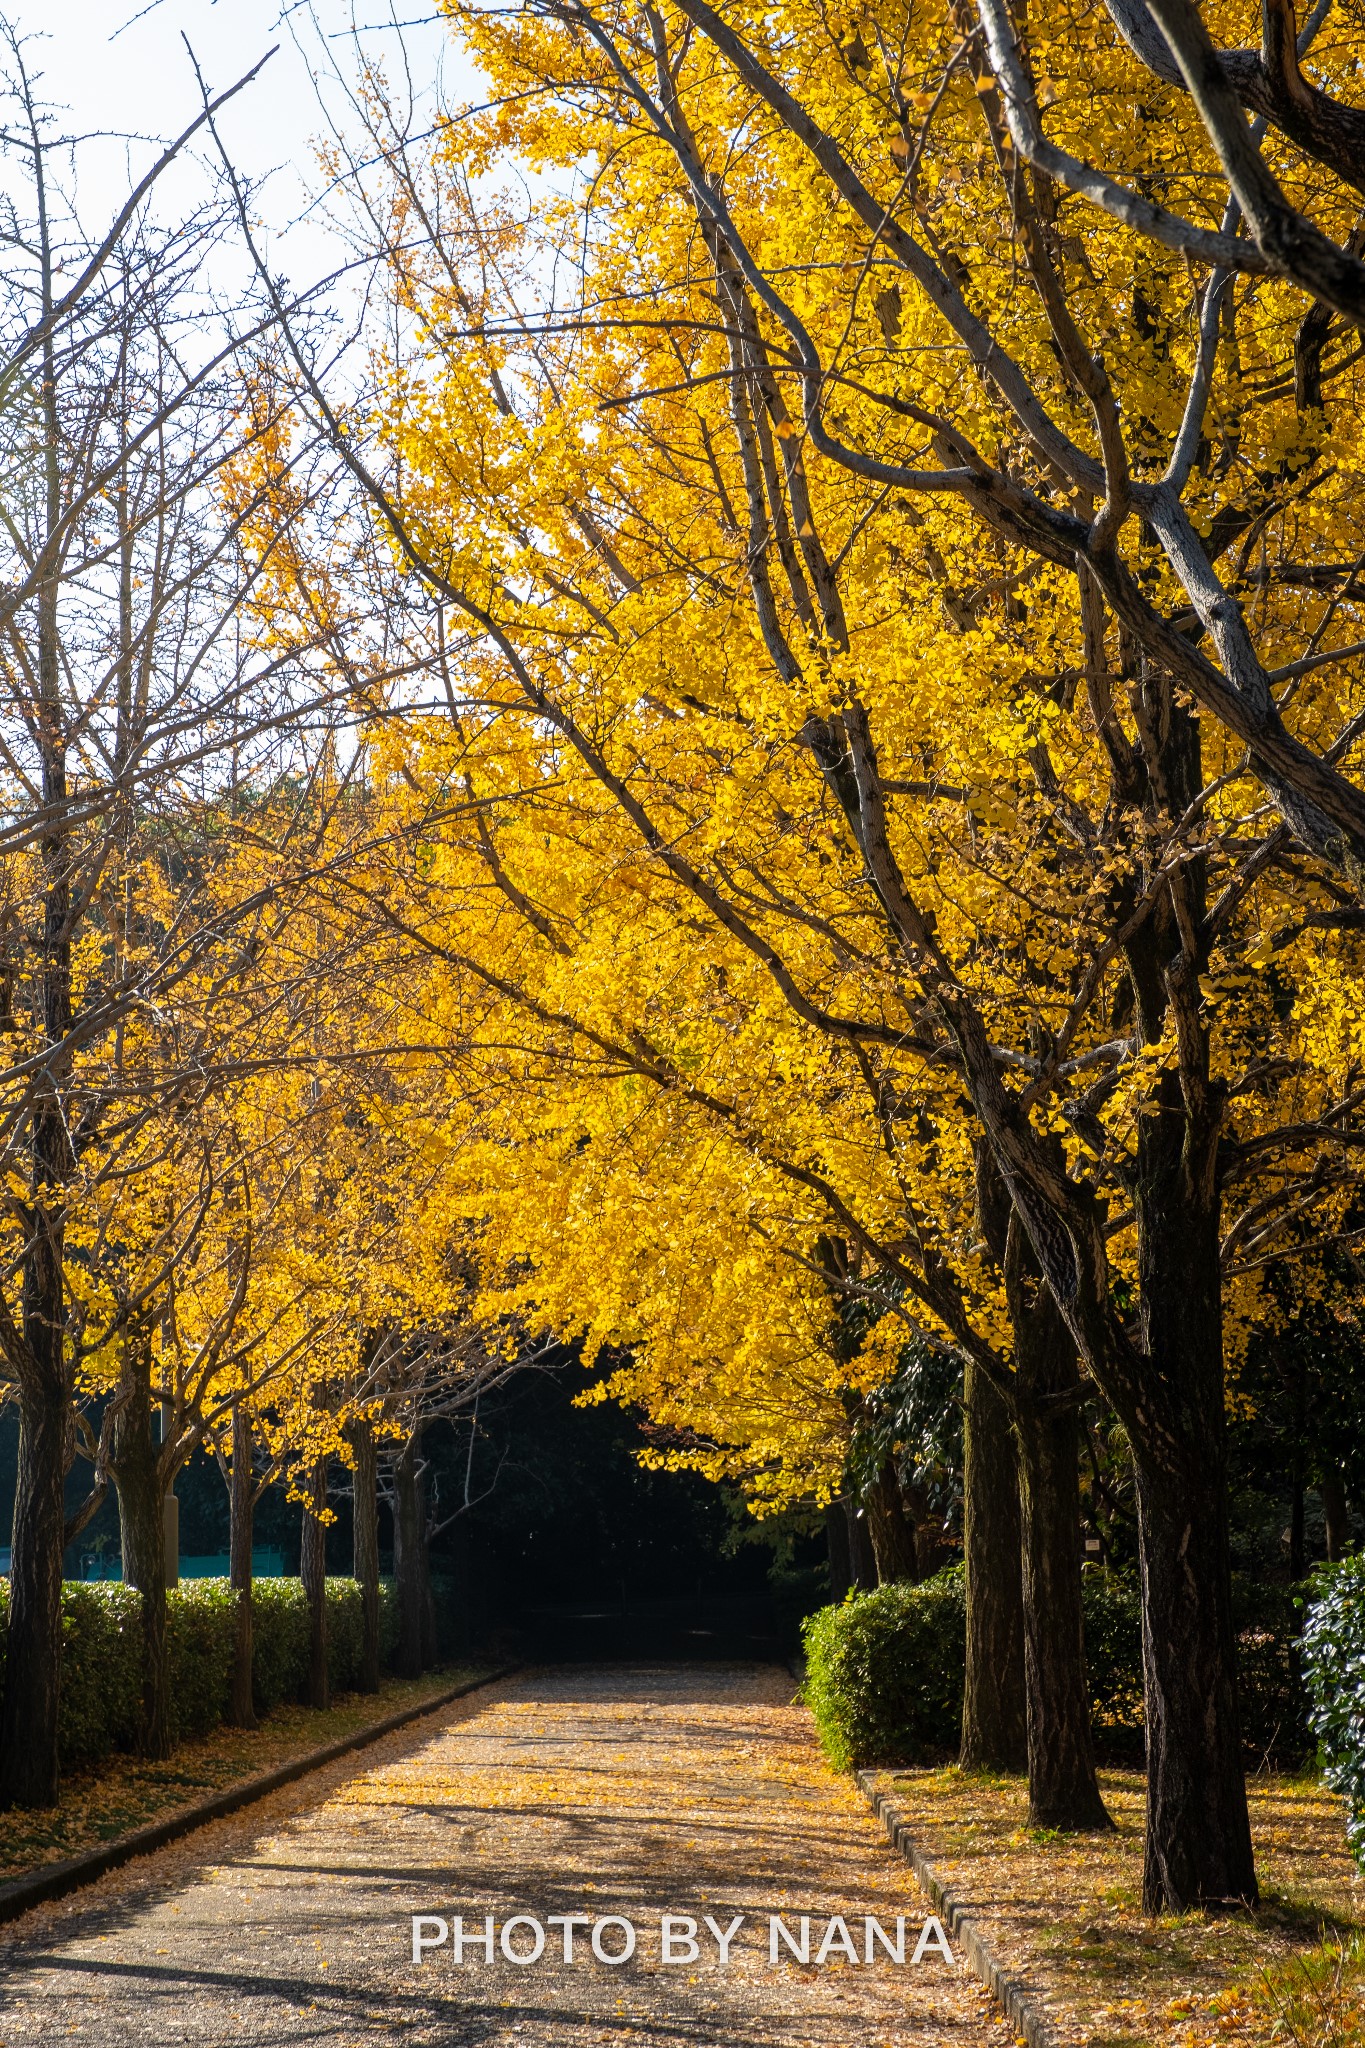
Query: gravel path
[626, 1790]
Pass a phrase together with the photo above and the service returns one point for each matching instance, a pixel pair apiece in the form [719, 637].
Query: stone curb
[1020, 2001]
[55, 1880]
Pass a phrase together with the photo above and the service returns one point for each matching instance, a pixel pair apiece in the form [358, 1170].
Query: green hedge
[1334, 1666]
[101, 1688]
[884, 1670]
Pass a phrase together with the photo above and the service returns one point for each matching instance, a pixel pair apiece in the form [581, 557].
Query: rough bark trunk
[1198, 1849]
[313, 1571]
[135, 1462]
[28, 1724]
[365, 1525]
[1336, 1521]
[241, 1511]
[890, 1528]
[1063, 1789]
[994, 1725]
[28, 1739]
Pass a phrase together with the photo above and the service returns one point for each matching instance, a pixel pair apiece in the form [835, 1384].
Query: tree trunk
[994, 1724]
[1336, 1521]
[365, 1530]
[28, 1742]
[409, 1555]
[890, 1528]
[1063, 1789]
[1198, 1832]
[862, 1558]
[241, 1511]
[33, 1658]
[313, 1570]
[135, 1463]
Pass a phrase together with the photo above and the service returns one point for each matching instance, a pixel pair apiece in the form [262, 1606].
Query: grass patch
[105, 1800]
[1064, 1910]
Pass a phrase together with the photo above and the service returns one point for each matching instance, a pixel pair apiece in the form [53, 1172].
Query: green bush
[1334, 1666]
[884, 1672]
[101, 1692]
[279, 1635]
[101, 1668]
[201, 1619]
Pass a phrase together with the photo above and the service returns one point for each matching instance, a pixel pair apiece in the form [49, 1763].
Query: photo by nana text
[678, 1938]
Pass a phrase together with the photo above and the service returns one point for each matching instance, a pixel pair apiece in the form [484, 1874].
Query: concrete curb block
[1020, 2001]
[55, 1880]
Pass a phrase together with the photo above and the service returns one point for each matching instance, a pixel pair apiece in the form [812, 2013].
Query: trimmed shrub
[1334, 1666]
[884, 1672]
[200, 1628]
[101, 1668]
[101, 1693]
[279, 1663]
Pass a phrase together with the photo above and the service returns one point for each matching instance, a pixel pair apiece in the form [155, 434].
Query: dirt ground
[628, 1791]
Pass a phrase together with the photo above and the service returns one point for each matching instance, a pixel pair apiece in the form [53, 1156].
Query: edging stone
[1020, 2001]
[55, 1880]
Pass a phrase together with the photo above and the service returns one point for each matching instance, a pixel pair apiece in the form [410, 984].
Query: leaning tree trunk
[1198, 1849]
[994, 1724]
[890, 1528]
[365, 1536]
[135, 1463]
[313, 1571]
[241, 1512]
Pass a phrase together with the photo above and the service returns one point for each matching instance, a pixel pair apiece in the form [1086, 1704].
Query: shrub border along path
[1019, 2000]
[54, 1880]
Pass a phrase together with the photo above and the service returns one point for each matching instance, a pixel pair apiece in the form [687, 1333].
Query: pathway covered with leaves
[627, 1791]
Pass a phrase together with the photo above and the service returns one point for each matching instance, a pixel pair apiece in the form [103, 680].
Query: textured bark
[313, 1571]
[365, 1526]
[135, 1462]
[241, 1511]
[892, 1531]
[33, 1654]
[1198, 1832]
[1063, 1789]
[994, 1725]
[28, 1743]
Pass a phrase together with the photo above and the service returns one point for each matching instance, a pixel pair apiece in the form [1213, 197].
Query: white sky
[120, 68]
